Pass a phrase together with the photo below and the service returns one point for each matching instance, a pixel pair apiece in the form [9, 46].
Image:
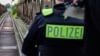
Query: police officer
[54, 34]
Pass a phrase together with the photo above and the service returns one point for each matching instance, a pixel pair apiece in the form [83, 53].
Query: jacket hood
[59, 9]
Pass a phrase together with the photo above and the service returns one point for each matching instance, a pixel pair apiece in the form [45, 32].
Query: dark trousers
[47, 51]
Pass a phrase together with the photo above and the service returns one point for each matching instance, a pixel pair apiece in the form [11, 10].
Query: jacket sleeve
[28, 47]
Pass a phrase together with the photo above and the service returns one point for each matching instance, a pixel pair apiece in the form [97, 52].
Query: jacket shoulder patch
[47, 11]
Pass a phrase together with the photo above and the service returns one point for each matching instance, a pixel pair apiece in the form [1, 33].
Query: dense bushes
[14, 13]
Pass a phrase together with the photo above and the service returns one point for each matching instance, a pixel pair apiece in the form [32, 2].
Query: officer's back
[54, 34]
